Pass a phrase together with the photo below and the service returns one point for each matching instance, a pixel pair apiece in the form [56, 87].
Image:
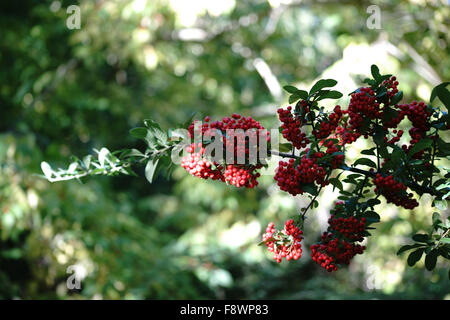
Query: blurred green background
[64, 92]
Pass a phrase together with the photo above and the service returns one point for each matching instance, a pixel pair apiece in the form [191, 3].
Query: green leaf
[47, 170]
[150, 169]
[430, 259]
[397, 97]
[333, 94]
[408, 247]
[310, 188]
[285, 147]
[373, 202]
[445, 240]
[336, 183]
[133, 153]
[442, 185]
[87, 161]
[139, 133]
[443, 147]
[290, 89]
[389, 113]
[299, 94]
[369, 152]
[420, 237]
[381, 92]
[303, 94]
[370, 82]
[354, 176]
[441, 204]
[375, 72]
[419, 146]
[365, 162]
[446, 195]
[397, 155]
[102, 156]
[436, 218]
[323, 83]
[415, 256]
[441, 92]
[372, 216]
[265, 241]
[152, 124]
[294, 98]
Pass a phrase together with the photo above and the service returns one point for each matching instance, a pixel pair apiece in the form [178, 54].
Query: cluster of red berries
[198, 166]
[235, 122]
[345, 135]
[396, 138]
[337, 245]
[363, 104]
[329, 126]
[237, 127]
[394, 192]
[285, 243]
[418, 114]
[332, 252]
[241, 175]
[338, 159]
[349, 227]
[292, 128]
[391, 86]
[230, 128]
[291, 178]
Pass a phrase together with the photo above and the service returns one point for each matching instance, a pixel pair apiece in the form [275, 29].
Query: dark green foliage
[67, 92]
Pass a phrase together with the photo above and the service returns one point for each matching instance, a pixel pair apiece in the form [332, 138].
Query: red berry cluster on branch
[285, 243]
[363, 105]
[418, 114]
[242, 176]
[332, 252]
[327, 127]
[234, 132]
[394, 192]
[337, 245]
[291, 126]
[391, 86]
[198, 166]
[291, 178]
[349, 227]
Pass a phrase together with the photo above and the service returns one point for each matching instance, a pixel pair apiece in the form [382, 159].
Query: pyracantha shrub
[404, 142]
